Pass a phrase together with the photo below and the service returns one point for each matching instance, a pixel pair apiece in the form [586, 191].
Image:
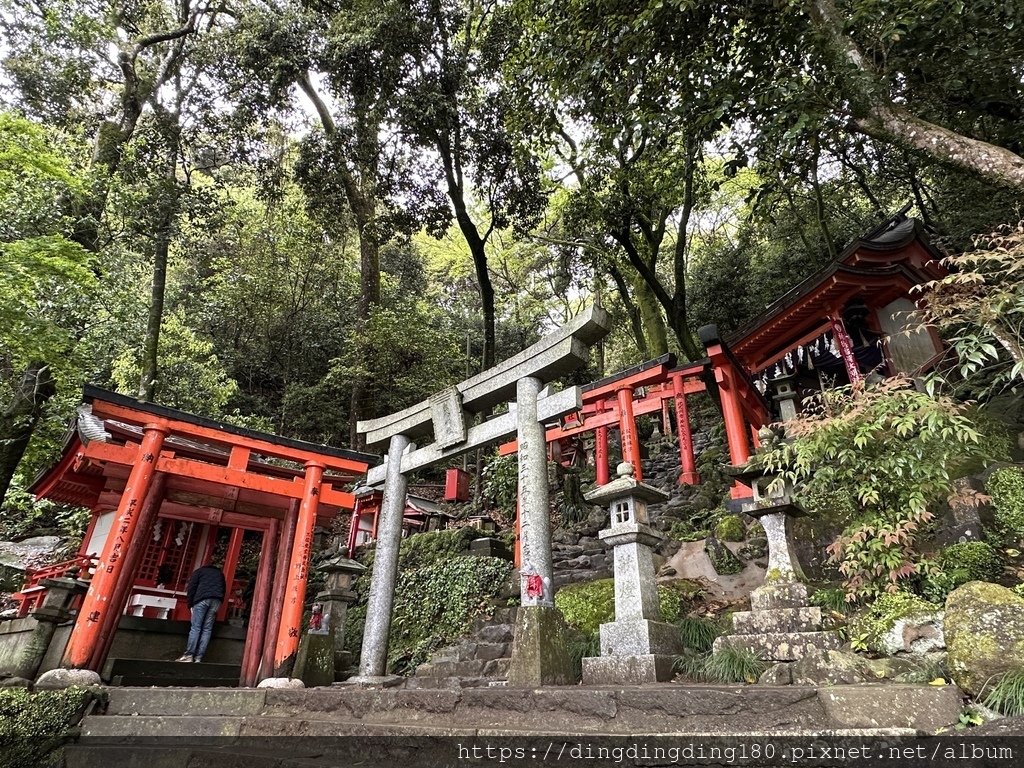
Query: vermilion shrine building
[166, 489]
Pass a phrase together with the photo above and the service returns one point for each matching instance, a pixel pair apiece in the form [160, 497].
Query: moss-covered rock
[984, 628]
[899, 623]
[722, 559]
[35, 726]
[730, 528]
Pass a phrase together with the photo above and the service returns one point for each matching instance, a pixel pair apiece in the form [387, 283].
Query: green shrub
[732, 665]
[1007, 695]
[35, 726]
[1006, 487]
[501, 483]
[977, 560]
[891, 449]
[587, 606]
[698, 634]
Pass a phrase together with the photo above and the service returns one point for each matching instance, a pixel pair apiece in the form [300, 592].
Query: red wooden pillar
[666, 422]
[230, 566]
[259, 608]
[132, 559]
[109, 570]
[298, 567]
[601, 450]
[278, 589]
[845, 344]
[735, 426]
[627, 431]
[689, 475]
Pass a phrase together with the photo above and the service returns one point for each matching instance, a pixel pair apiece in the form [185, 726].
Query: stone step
[133, 672]
[782, 646]
[778, 620]
[284, 728]
[470, 668]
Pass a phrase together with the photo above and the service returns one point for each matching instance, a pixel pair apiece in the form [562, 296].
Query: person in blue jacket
[205, 593]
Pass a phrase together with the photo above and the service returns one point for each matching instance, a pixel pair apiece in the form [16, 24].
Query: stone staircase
[346, 725]
[146, 672]
[481, 659]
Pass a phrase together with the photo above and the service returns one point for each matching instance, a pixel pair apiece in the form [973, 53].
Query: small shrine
[637, 647]
[168, 490]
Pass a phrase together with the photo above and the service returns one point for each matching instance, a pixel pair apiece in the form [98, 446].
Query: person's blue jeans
[203, 615]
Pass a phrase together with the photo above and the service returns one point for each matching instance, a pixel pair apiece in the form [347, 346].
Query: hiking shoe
[186, 657]
[196, 659]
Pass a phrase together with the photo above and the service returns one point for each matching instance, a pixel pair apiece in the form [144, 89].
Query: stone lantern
[637, 647]
[337, 596]
[781, 625]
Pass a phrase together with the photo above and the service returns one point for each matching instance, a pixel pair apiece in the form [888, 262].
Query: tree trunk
[362, 404]
[881, 118]
[21, 417]
[653, 319]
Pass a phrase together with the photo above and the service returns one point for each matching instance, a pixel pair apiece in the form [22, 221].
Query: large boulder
[984, 634]
[56, 679]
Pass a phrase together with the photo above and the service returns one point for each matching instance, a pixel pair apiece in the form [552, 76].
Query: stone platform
[276, 728]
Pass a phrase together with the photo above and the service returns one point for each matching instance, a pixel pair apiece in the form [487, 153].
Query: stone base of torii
[540, 654]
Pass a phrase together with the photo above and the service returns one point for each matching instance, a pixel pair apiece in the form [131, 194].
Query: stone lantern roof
[341, 562]
[625, 485]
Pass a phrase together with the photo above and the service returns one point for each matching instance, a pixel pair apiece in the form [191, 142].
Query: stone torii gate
[447, 415]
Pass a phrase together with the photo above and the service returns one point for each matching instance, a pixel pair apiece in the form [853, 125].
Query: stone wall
[14, 636]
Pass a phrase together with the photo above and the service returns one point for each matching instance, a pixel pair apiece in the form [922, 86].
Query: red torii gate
[613, 402]
[148, 462]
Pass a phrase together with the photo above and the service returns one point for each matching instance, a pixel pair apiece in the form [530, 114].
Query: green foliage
[895, 451]
[501, 483]
[436, 603]
[583, 645]
[34, 726]
[875, 620]
[588, 605]
[959, 563]
[698, 634]
[23, 515]
[979, 307]
[1007, 694]
[731, 665]
[423, 549]
[832, 600]
[977, 560]
[730, 528]
[1006, 487]
[191, 376]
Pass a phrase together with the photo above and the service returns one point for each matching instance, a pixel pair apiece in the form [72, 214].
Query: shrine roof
[92, 393]
[209, 464]
[882, 265]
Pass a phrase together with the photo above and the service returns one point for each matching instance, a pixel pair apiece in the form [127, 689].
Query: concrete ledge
[210, 702]
[627, 670]
[922, 707]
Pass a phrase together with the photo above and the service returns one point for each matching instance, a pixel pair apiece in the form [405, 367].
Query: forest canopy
[299, 214]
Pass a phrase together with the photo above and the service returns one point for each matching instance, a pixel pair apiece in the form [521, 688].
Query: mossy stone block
[540, 652]
[730, 528]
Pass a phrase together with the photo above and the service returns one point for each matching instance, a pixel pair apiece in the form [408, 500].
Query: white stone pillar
[535, 524]
[381, 598]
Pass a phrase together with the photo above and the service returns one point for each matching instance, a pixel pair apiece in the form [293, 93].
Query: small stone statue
[318, 622]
